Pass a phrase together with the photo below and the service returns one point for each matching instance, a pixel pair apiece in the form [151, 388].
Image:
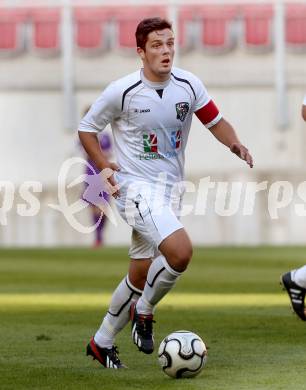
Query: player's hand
[108, 176]
[242, 152]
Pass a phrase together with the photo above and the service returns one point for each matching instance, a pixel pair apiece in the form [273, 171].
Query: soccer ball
[182, 354]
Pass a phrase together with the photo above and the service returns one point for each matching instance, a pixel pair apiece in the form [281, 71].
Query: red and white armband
[209, 114]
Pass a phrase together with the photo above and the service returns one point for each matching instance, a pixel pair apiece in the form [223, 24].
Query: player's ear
[141, 53]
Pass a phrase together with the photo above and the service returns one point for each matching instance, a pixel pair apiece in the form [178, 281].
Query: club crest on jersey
[182, 109]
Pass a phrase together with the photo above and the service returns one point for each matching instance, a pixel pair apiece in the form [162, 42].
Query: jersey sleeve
[304, 101]
[201, 94]
[205, 108]
[102, 112]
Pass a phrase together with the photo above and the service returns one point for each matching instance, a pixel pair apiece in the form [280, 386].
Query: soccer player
[150, 112]
[295, 280]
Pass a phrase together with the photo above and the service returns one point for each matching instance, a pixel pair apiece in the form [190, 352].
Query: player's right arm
[92, 147]
[304, 109]
[101, 113]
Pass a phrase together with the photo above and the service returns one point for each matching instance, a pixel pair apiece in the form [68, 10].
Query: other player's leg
[100, 222]
[295, 285]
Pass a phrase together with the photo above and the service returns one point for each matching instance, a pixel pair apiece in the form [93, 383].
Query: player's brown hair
[146, 26]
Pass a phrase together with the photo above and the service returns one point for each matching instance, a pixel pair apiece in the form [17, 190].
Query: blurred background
[57, 56]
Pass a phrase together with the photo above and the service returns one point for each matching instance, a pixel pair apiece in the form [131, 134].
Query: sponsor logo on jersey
[142, 110]
[176, 139]
[182, 109]
[150, 143]
[150, 146]
[150, 156]
[157, 156]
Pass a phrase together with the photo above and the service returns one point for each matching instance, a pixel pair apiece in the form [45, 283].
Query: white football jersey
[150, 123]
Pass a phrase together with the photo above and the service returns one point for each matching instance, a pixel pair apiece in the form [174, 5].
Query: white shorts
[151, 222]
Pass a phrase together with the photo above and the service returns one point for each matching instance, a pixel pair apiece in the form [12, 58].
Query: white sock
[118, 314]
[160, 279]
[299, 276]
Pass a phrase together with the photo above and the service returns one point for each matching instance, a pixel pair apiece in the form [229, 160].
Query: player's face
[158, 56]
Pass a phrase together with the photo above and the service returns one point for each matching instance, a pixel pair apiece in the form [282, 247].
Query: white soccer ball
[182, 354]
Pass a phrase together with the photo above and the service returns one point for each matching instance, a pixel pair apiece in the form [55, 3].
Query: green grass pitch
[52, 301]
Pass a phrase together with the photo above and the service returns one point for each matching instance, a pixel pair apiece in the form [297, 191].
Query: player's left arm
[304, 109]
[304, 112]
[224, 132]
[208, 113]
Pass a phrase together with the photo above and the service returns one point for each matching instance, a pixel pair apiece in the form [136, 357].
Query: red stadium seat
[186, 16]
[216, 23]
[90, 27]
[12, 23]
[296, 25]
[46, 29]
[257, 20]
[127, 19]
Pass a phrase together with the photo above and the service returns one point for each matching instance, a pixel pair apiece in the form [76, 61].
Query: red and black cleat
[108, 357]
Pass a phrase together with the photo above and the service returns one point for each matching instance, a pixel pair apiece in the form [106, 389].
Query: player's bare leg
[138, 271]
[96, 216]
[176, 252]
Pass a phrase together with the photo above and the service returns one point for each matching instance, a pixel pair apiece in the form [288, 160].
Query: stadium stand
[296, 26]
[45, 27]
[257, 21]
[186, 25]
[217, 23]
[12, 30]
[212, 27]
[90, 28]
[126, 20]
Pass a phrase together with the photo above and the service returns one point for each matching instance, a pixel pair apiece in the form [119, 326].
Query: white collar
[153, 84]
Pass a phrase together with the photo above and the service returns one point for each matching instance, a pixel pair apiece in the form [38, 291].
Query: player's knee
[181, 259]
[185, 257]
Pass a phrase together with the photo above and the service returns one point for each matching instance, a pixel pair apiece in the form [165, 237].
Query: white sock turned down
[160, 280]
[118, 314]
